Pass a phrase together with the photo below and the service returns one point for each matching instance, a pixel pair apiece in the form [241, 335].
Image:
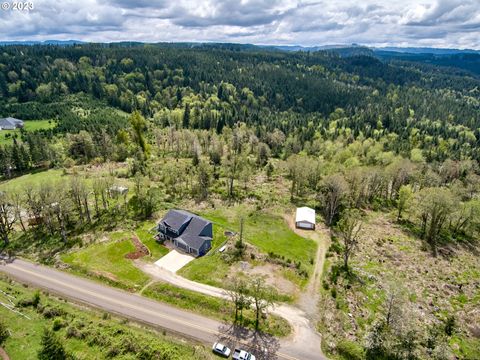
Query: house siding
[205, 247]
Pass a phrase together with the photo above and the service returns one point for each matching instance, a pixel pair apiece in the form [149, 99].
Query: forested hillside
[435, 109]
[386, 151]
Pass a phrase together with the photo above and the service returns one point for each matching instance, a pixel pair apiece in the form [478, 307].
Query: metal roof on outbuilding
[305, 214]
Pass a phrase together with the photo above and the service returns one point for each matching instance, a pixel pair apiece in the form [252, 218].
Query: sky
[419, 23]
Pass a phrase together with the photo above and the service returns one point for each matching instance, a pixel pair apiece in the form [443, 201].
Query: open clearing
[29, 125]
[271, 243]
[390, 259]
[309, 298]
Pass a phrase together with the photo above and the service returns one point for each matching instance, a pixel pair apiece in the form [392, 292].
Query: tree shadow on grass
[262, 345]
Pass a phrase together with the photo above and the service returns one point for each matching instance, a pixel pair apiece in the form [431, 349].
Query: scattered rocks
[475, 331]
[244, 265]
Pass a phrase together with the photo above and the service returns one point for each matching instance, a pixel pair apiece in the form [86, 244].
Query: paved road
[304, 339]
[148, 311]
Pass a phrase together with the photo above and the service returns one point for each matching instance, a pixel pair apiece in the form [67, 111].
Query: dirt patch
[105, 274]
[272, 277]
[91, 238]
[140, 250]
[3, 354]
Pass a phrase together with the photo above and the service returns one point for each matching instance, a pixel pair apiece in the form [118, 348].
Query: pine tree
[52, 348]
[186, 116]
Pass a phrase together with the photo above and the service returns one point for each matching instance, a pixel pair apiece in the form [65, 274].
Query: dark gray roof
[194, 241]
[175, 219]
[196, 225]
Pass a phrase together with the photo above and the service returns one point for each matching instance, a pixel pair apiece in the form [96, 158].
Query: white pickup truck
[239, 354]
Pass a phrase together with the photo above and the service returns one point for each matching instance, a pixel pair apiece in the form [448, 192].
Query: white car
[221, 350]
[242, 355]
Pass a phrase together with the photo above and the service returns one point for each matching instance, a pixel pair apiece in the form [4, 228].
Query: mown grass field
[209, 269]
[86, 328]
[268, 232]
[107, 260]
[30, 125]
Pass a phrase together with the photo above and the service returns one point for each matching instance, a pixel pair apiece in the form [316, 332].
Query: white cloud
[441, 23]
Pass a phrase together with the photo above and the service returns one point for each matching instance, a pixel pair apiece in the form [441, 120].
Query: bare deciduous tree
[434, 206]
[237, 291]
[7, 218]
[349, 228]
[262, 297]
[333, 193]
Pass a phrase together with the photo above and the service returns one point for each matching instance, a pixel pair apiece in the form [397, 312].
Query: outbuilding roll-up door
[305, 225]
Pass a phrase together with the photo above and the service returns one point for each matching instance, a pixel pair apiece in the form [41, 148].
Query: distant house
[186, 231]
[10, 123]
[305, 218]
[117, 190]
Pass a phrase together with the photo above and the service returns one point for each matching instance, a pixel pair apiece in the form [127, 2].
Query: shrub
[334, 273]
[74, 332]
[335, 247]
[350, 350]
[4, 334]
[450, 325]
[50, 312]
[325, 285]
[36, 299]
[333, 291]
[57, 324]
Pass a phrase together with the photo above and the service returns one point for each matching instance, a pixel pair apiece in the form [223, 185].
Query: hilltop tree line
[299, 94]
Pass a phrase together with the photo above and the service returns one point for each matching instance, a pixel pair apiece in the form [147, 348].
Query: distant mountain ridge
[331, 47]
[426, 50]
[45, 42]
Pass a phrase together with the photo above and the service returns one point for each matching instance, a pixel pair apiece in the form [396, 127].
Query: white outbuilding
[305, 218]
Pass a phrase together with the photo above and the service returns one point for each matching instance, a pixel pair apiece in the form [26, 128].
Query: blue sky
[431, 23]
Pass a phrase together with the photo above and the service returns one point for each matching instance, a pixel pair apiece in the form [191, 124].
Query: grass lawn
[267, 232]
[91, 334]
[215, 308]
[209, 269]
[107, 260]
[157, 251]
[30, 125]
